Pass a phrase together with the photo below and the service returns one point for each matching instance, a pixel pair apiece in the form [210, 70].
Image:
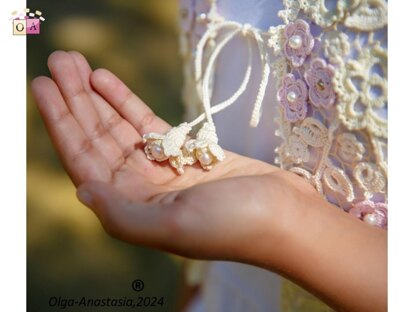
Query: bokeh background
[68, 253]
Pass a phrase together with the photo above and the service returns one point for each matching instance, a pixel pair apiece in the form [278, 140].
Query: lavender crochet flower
[319, 79]
[370, 212]
[299, 42]
[292, 96]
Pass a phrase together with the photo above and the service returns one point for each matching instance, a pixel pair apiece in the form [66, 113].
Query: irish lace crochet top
[311, 75]
[326, 71]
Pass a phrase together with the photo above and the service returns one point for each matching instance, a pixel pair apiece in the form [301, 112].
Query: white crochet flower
[161, 147]
[205, 147]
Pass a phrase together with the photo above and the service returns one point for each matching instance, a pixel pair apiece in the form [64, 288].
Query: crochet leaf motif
[370, 178]
[313, 132]
[368, 16]
[338, 182]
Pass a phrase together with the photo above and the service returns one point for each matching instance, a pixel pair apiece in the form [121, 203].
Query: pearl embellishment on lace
[205, 159]
[202, 17]
[291, 96]
[157, 152]
[295, 42]
[370, 219]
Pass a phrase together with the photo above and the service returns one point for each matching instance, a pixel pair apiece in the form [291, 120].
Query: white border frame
[13, 161]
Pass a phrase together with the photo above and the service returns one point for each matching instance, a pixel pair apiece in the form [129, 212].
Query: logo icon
[137, 285]
[26, 22]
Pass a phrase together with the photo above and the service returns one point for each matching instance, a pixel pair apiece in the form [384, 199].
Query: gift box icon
[28, 24]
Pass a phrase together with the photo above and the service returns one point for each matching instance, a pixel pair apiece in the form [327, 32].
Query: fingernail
[85, 197]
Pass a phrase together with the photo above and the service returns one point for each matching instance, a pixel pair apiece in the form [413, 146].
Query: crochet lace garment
[330, 69]
[329, 66]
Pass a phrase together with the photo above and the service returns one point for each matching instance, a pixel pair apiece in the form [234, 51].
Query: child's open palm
[96, 124]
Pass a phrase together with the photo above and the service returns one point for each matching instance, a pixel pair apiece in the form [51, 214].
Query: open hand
[96, 124]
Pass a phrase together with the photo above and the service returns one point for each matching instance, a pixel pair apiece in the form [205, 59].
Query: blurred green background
[68, 253]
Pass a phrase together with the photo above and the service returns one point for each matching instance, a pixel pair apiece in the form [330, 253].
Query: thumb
[131, 221]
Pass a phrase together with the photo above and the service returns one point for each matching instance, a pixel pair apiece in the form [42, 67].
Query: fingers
[64, 71]
[122, 132]
[80, 159]
[126, 103]
[84, 69]
[134, 222]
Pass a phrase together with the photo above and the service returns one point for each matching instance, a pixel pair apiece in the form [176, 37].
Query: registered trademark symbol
[137, 285]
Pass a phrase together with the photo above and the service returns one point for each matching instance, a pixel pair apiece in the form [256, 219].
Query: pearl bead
[205, 159]
[157, 152]
[202, 17]
[370, 219]
[291, 96]
[295, 42]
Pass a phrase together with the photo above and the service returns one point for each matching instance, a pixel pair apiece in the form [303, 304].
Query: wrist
[339, 259]
[284, 233]
[286, 206]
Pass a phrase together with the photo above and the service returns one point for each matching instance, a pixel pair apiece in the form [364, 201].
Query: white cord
[208, 71]
[255, 116]
[219, 107]
[203, 82]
